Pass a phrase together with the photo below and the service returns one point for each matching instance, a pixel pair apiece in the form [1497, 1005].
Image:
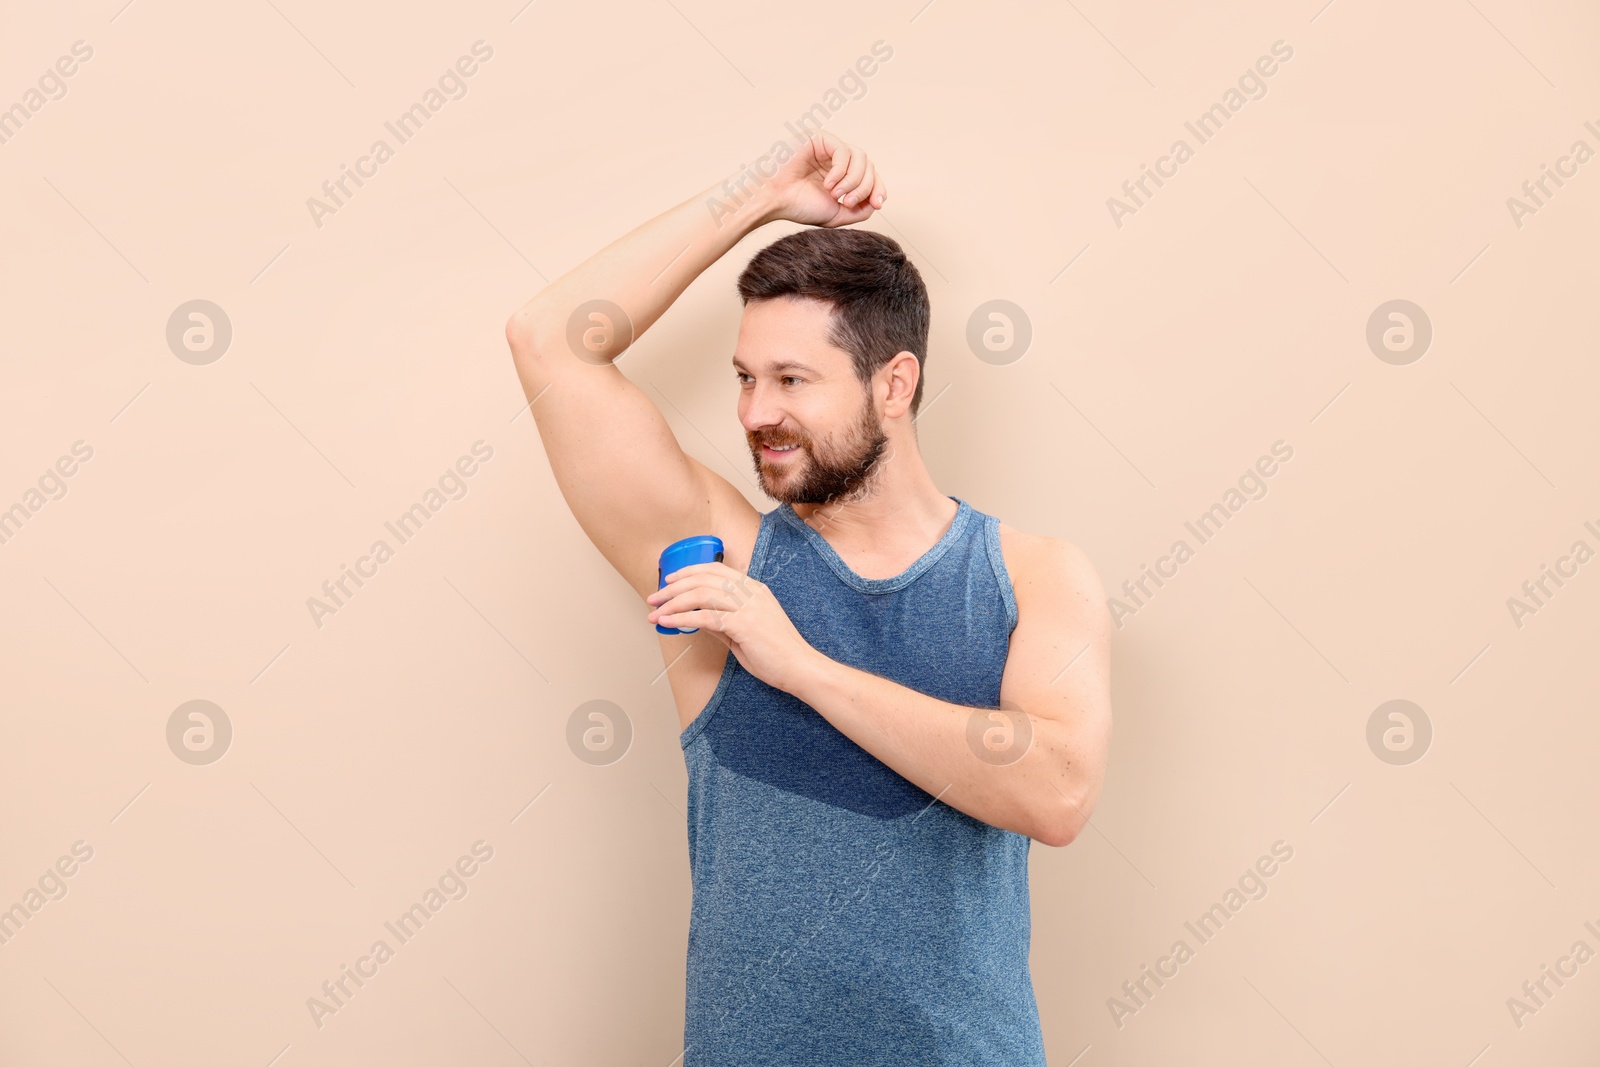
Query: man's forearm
[642, 272]
[926, 741]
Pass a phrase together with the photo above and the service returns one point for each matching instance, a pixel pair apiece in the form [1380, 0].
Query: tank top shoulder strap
[761, 552]
[997, 564]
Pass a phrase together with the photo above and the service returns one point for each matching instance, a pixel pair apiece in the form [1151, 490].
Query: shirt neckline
[855, 581]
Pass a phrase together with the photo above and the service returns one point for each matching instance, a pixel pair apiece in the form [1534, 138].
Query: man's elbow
[1061, 821]
[1058, 832]
[519, 334]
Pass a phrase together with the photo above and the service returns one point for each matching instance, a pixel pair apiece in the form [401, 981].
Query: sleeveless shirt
[840, 914]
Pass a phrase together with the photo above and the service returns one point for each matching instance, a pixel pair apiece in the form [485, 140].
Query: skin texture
[858, 479]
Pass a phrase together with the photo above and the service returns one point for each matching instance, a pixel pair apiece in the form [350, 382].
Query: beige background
[1228, 313]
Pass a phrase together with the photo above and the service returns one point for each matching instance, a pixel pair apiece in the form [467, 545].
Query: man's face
[797, 389]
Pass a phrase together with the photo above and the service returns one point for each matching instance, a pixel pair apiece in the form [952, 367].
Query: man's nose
[760, 412]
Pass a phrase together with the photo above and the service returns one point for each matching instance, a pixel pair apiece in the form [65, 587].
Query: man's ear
[901, 375]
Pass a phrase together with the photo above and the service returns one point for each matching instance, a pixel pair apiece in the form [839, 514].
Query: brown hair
[880, 306]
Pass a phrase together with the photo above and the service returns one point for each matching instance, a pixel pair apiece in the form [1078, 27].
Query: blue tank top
[840, 915]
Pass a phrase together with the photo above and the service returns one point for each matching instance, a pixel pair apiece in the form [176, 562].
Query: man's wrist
[745, 200]
[813, 676]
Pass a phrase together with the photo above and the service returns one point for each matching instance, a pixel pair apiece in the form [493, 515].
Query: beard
[822, 474]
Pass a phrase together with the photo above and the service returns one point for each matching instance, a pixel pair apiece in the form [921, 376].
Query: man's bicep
[629, 483]
[1058, 668]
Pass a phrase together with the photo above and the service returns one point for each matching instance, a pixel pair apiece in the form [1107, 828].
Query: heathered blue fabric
[841, 915]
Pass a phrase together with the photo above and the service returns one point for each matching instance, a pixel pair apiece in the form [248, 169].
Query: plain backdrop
[1174, 342]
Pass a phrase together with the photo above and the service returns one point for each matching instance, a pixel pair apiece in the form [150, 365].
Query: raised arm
[630, 485]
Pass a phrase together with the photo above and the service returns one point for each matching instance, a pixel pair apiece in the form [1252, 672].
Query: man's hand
[742, 612]
[827, 183]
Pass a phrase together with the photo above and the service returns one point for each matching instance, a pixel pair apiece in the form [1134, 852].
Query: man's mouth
[768, 452]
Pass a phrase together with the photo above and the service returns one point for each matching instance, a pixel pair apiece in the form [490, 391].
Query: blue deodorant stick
[680, 554]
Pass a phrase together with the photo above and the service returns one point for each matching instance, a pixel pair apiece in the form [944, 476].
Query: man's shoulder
[1049, 566]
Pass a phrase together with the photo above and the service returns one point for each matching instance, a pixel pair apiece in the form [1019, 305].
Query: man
[889, 694]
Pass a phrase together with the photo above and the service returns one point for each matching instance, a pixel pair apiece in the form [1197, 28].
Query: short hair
[880, 305]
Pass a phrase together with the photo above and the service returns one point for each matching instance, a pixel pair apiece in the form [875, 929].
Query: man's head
[831, 350]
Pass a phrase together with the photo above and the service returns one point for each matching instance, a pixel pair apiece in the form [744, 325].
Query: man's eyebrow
[778, 368]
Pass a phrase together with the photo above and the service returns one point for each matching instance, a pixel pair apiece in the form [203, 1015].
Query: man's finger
[852, 177]
[691, 569]
[841, 164]
[695, 597]
[863, 189]
[699, 619]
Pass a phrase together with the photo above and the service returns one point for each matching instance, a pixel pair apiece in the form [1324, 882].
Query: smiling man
[889, 694]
